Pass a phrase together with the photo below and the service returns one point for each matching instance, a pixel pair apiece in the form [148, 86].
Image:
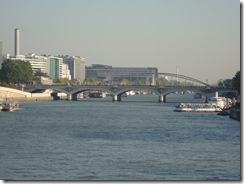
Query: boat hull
[196, 108]
[9, 106]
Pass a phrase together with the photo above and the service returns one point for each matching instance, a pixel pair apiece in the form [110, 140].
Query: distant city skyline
[199, 38]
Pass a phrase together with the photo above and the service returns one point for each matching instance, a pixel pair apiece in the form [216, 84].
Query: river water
[136, 139]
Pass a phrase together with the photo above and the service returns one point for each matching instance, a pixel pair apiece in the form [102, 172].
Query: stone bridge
[117, 91]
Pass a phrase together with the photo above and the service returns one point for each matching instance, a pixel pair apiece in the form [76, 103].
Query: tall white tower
[177, 72]
[16, 42]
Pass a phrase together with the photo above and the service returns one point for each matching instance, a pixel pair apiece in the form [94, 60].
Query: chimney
[16, 43]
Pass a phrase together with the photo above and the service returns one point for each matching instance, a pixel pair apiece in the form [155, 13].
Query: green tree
[64, 80]
[14, 71]
[26, 72]
[236, 81]
[220, 82]
[92, 80]
[4, 84]
[56, 80]
[140, 82]
[40, 73]
[163, 82]
[227, 83]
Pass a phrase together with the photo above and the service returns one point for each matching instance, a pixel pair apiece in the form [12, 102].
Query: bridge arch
[55, 89]
[185, 77]
[167, 92]
[82, 89]
[118, 94]
[124, 90]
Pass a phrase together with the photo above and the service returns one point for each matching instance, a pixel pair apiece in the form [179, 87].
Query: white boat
[9, 105]
[132, 92]
[220, 102]
[196, 107]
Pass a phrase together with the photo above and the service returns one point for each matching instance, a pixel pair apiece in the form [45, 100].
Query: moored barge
[196, 107]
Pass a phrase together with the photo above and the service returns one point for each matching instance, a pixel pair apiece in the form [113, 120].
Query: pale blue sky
[200, 37]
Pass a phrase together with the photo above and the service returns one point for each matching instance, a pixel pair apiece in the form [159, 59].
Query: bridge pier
[162, 98]
[55, 96]
[206, 99]
[117, 98]
[71, 97]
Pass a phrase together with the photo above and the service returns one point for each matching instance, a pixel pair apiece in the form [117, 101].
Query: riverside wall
[22, 96]
[235, 112]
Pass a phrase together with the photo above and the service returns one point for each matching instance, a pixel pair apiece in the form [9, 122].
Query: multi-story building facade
[38, 63]
[54, 67]
[105, 72]
[76, 66]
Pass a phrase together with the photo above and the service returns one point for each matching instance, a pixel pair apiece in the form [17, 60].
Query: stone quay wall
[18, 95]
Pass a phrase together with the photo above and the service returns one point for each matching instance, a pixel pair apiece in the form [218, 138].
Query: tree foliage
[15, 71]
[61, 80]
[220, 82]
[227, 83]
[40, 73]
[4, 84]
[92, 80]
[236, 81]
[163, 82]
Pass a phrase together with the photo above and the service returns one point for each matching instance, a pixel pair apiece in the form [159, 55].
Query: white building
[66, 71]
[38, 63]
[52, 66]
[76, 66]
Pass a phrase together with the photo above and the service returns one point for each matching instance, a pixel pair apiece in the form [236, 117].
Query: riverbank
[23, 96]
[30, 99]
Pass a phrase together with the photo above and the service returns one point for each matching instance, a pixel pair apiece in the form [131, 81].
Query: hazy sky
[200, 37]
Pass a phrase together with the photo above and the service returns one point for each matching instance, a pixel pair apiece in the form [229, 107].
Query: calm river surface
[136, 139]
